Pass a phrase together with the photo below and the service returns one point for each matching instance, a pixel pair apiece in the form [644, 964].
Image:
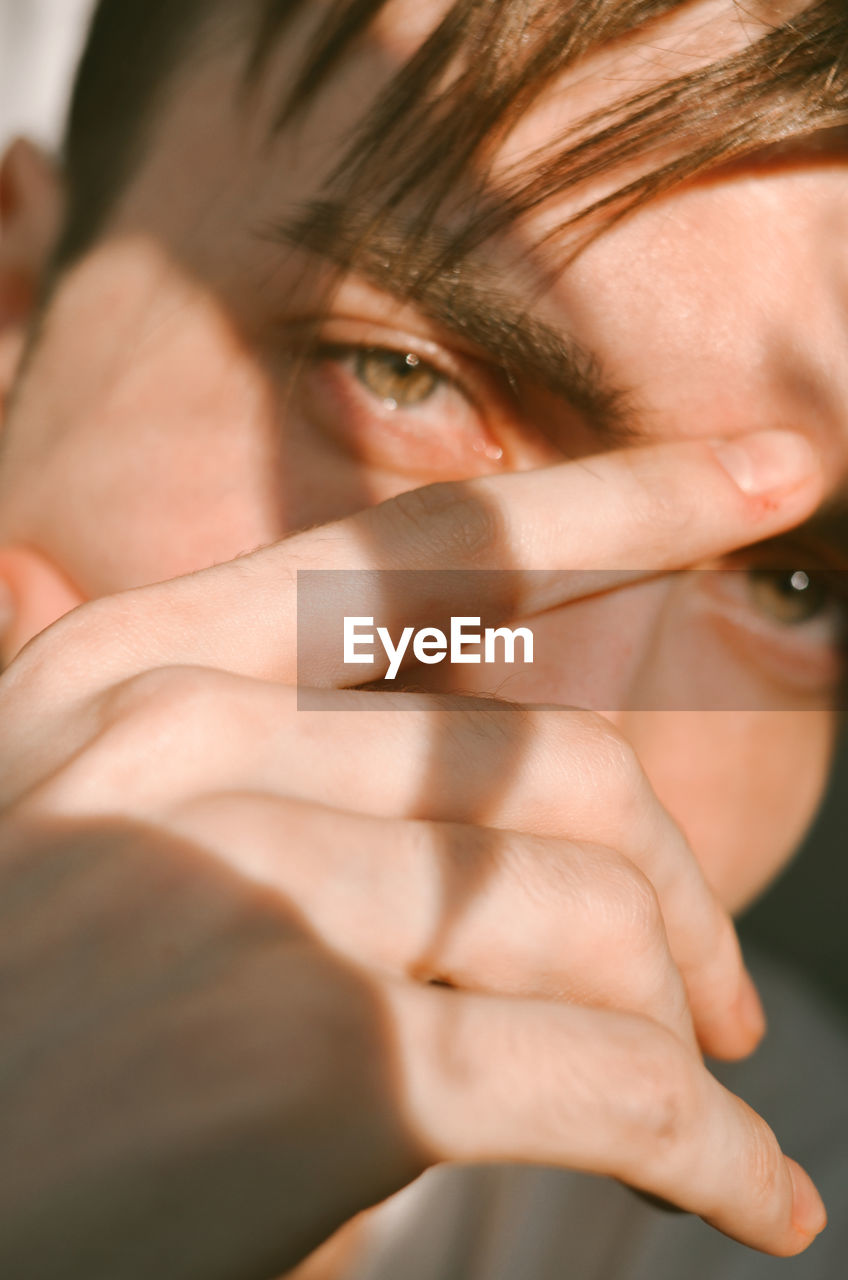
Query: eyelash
[810, 652]
[465, 439]
[341, 352]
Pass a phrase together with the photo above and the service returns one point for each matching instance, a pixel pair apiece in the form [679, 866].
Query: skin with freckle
[172, 416]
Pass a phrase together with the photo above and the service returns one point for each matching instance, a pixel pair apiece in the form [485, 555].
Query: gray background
[803, 917]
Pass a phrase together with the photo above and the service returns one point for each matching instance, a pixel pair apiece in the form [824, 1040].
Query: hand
[514, 896]
[190, 1086]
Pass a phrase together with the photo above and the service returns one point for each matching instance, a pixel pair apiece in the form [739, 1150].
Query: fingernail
[767, 461]
[809, 1215]
[749, 1008]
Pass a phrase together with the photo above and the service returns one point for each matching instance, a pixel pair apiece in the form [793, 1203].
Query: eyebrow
[469, 299]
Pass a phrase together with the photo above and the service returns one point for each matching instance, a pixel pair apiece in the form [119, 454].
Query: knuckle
[625, 784]
[166, 710]
[626, 935]
[662, 516]
[68, 653]
[49, 695]
[618, 903]
[622, 765]
[659, 1100]
[414, 508]
[657, 511]
[608, 753]
[624, 949]
[173, 693]
[640, 912]
[585, 747]
[445, 523]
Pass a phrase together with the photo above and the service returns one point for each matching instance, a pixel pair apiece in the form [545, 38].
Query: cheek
[144, 432]
[744, 786]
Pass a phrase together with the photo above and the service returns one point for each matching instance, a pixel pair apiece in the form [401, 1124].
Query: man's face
[160, 429]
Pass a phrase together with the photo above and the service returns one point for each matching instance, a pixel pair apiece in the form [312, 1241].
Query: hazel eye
[790, 625]
[790, 598]
[400, 380]
[395, 408]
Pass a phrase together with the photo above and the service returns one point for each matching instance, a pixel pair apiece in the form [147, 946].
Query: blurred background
[804, 917]
[39, 44]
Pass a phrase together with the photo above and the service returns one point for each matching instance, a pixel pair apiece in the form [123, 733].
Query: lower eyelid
[437, 437]
[733, 586]
[808, 657]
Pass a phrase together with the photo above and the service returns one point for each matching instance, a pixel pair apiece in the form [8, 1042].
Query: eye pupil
[399, 379]
[790, 597]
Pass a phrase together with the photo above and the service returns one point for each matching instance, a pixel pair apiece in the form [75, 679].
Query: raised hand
[588, 959]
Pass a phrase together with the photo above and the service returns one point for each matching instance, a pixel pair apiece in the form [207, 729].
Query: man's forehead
[402, 160]
[659, 42]
[674, 45]
[362, 57]
[664, 36]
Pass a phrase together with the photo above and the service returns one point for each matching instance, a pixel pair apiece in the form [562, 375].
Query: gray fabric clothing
[514, 1223]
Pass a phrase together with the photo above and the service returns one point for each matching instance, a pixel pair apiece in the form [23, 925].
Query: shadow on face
[201, 387]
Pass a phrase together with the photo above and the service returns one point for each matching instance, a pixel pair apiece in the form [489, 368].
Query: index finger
[643, 510]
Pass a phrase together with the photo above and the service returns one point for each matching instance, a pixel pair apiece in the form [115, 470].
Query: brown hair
[482, 67]
[133, 51]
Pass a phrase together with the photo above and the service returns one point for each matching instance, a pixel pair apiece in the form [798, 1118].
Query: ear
[34, 593]
[30, 218]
